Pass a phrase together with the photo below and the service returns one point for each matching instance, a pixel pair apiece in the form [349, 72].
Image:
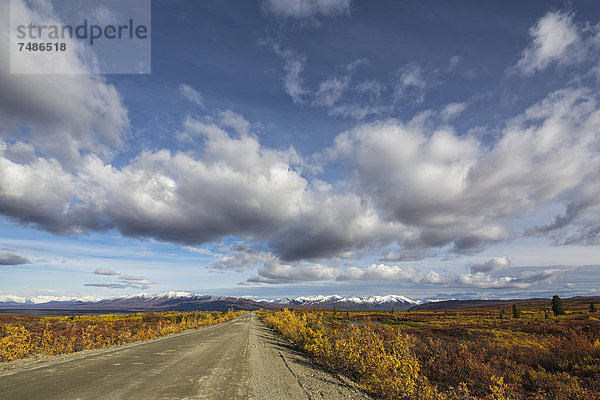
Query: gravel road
[240, 359]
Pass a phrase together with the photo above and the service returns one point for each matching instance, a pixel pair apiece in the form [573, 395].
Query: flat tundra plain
[239, 359]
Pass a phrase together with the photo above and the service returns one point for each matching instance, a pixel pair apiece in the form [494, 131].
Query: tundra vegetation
[472, 353]
[24, 336]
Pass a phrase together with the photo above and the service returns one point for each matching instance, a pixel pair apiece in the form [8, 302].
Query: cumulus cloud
[274, 272]
[478, 277]
[383, 272]
[233, 187]
[240, 256]
[89, 116]
[105, 271]
[525, 280]
[554, 39]
[490, 265]
[580, 223]
[413, 185]
[157, 195]
[454, 189]
[307, 8]
[376, 272]
[9, 258]
[191, 94]
[333, 224]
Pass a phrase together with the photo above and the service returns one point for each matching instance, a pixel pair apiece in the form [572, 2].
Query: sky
[278, 148]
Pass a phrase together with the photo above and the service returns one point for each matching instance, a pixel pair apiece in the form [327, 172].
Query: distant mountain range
[183, 301]
[388, 302]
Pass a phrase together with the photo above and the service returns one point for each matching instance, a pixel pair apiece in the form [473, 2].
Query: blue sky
[284, 148]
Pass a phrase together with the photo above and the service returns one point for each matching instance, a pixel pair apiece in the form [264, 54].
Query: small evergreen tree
[558, 307]
[592, 308]
[546, 316]
[516, 313]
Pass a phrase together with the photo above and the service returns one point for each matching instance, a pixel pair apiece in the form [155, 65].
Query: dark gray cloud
[105, 271]
[580, 223]
[117, 286]
[490, 265]
[123, 281]
[9, 258]
[135, 280]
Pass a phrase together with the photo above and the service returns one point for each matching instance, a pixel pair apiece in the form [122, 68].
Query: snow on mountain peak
[390, 298]
[44, 299]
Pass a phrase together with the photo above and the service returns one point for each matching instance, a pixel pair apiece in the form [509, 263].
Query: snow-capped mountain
[185, 301]
[45, 299]
[169, 301]
[387, 302]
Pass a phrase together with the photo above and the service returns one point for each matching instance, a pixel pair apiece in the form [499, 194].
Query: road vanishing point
[239, 359]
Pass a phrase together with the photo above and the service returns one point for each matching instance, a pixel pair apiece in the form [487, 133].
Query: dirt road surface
[240, 359]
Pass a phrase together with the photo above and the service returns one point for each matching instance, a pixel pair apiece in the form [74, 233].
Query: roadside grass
[24, 336]
[474, 353]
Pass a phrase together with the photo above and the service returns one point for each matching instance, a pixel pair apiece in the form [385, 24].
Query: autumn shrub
[377, 357]
[457, 354]
[22, 336]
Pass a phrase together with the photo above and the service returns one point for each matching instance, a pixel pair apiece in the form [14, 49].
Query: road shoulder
[280, 371]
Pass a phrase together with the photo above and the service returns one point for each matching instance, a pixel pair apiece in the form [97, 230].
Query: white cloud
[340, 97]
[378, 272]
[480, 279]
[453, 110]
[411, 85]
[235, 121]
[412, 185]
[455, 190]
[191, 94]
[241, 256]
[293, 66]
[554, 39]
[331, 90]
[453, 62]
[201, 251]
[274, 272]
[88, 116]
[524, 280]
[234, 187]
[307, 8]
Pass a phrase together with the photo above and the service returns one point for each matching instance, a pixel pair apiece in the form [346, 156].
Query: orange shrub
[24, 336]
